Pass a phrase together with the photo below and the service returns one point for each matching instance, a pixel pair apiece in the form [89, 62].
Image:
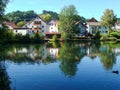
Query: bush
[54, 38]
[26, 38]
[115, 34]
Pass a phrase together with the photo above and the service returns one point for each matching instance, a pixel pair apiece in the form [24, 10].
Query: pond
[61, 66]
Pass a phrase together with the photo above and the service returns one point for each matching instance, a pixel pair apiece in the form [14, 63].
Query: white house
[93, 25]
[37, 25]
[53, 26]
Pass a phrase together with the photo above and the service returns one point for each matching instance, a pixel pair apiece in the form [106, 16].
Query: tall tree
[68, 17]
[2, 9]
[108, 19]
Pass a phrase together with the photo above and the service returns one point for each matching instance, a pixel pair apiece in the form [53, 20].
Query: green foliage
[108, 19]
[68, 16]
[46, 17]
[18, 16]
[54, 15]
[36, 38]
[21, 23]
[115, 34]
[18, 38]
[26, 39]
[54, 38]
[97, 34]
[104, 37]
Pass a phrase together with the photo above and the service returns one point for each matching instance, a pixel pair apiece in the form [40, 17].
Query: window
[16, 31]
[51, 28]
[106, 31]
[42, 30]
[99, 27]
[42, 26]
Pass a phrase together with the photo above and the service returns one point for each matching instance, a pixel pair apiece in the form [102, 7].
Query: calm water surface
[61, 66]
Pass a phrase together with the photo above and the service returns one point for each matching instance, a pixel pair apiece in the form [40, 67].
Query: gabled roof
[92, 20]
[12, 24]
[93, 23]
[32, 21]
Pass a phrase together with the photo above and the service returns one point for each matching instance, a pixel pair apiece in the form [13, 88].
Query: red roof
[12, 24]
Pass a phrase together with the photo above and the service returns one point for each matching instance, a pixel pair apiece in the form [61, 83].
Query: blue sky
[85, 8]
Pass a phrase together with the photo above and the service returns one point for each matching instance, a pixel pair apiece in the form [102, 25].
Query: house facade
[53, 26]
[16, 29]
[22, 31]
[37, 25]
[52, 29]
[93, 25]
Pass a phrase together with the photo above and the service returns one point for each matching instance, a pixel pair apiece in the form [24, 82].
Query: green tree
[53, 14]
[54, 38]
[108, 19]
[68, 17]
[2, 9]
[97, 34]
[21, 23]
[46, 17]
[18, 16]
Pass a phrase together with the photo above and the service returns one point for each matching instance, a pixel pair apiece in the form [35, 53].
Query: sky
[85, 8]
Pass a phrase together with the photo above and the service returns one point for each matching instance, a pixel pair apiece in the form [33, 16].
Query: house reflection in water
[116, 51]
[34, 53]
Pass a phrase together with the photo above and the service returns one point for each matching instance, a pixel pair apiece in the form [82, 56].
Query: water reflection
[69, 55]
[4, 78]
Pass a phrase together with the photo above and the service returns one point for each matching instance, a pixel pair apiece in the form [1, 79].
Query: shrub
[54, 38]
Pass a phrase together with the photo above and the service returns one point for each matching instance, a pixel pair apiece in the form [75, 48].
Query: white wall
[42, 26]
[102, 29]
[20, 31]
[53, 26]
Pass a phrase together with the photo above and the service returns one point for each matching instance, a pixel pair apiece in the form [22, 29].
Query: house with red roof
[16, 29]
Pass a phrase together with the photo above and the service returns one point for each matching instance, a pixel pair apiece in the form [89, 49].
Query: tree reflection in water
[70, 56]
[4, 78]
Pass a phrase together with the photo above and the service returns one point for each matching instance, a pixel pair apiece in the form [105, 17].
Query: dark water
[61, 66]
